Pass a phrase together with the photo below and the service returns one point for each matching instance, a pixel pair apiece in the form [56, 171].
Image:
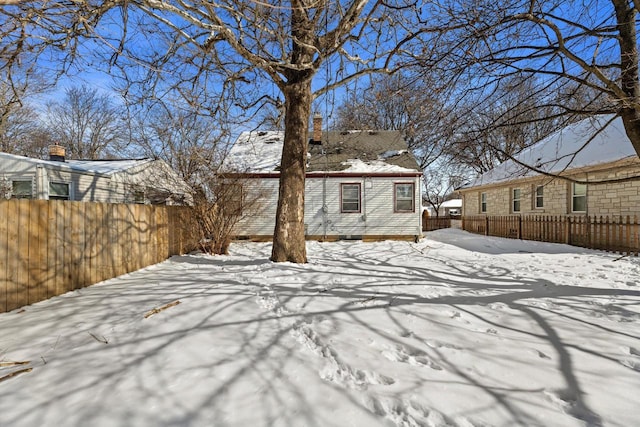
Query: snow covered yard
[457, 330]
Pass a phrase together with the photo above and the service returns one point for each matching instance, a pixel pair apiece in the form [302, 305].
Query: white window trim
[535, 197]
[21, 179]
[573, 197]
[514, 200]
[483, 202]
[68, 183]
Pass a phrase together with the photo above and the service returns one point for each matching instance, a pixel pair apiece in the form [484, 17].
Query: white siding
[377, 216]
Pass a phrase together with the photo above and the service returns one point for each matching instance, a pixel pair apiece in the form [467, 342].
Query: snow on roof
[566, 149]
[105, 167]
[453, 203]
[352, 151]
[357, 165]
[256, 152]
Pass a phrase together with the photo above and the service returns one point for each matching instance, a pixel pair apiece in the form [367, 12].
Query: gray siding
[376, 218]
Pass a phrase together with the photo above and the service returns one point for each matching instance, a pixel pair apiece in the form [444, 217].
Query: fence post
[520, 227]
[567, 231]
[486, 225]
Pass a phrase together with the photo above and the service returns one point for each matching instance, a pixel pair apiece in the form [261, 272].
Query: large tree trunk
[288, 238]
[629, 75]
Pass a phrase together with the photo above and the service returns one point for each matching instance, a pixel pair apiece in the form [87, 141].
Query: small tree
[217, 209]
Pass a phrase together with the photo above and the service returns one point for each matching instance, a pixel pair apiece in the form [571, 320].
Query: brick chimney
[56, 153]
[317, 127]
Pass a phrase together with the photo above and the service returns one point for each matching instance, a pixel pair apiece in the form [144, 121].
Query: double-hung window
[483, 202]
[59, 191]
[404, 197]
[515, 200]
[539, 203]
[578, 197]
[350, 198]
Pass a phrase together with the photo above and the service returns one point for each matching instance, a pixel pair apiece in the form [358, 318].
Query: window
[483, 202]
[404, 197]
[515, 200]
[578, 197]
[59, 191]
[22, 189]
[350, 198]
[138, 197]
[539, 197]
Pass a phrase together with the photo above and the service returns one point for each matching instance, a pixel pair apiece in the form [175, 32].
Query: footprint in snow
[408, 412]
[335, 370]
[540, 354]
[439, 344]
[411, 356]
[568, 402]
[633, 359]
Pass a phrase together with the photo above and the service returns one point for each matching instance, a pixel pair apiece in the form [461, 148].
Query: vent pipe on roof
[317, 128]
[56, 153]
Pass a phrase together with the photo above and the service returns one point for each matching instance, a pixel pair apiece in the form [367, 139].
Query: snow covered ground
[457, 330]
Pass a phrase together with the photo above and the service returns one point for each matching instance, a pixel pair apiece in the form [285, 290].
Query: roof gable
[353, 151]
[585, 143]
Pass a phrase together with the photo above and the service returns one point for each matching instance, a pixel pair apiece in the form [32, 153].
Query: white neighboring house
[359, 184]
[110, 181]
[451, 207]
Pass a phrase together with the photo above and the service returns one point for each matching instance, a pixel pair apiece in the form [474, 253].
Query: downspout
[325, 209]
[364, 202]
[419, 208]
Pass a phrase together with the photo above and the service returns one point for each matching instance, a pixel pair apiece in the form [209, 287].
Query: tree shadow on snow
[254, 334]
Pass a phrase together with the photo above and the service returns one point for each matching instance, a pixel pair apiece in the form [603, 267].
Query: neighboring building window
[515, 199]
[59, 191]
[404, 197]
[138, 197]
[539, 197]
[483, 202]
[350, 198]
[22, 189]
[578, 197]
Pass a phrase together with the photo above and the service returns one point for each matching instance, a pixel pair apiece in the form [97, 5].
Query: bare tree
[203, 48]
[193, 145]
[87, 124]
[579, 47]
[406, 102]
[21, 130]
[440, 181]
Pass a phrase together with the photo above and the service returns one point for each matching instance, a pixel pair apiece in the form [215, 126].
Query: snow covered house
[595, 152]
[359, 185]
[109, 181]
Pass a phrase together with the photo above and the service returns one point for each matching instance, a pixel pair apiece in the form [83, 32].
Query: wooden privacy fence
[48, 248]
[435, 223]
[614, 234]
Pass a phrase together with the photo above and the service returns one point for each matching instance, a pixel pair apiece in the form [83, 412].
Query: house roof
[453, 203]
[103, 167]
[589, 142]
[352, 151]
